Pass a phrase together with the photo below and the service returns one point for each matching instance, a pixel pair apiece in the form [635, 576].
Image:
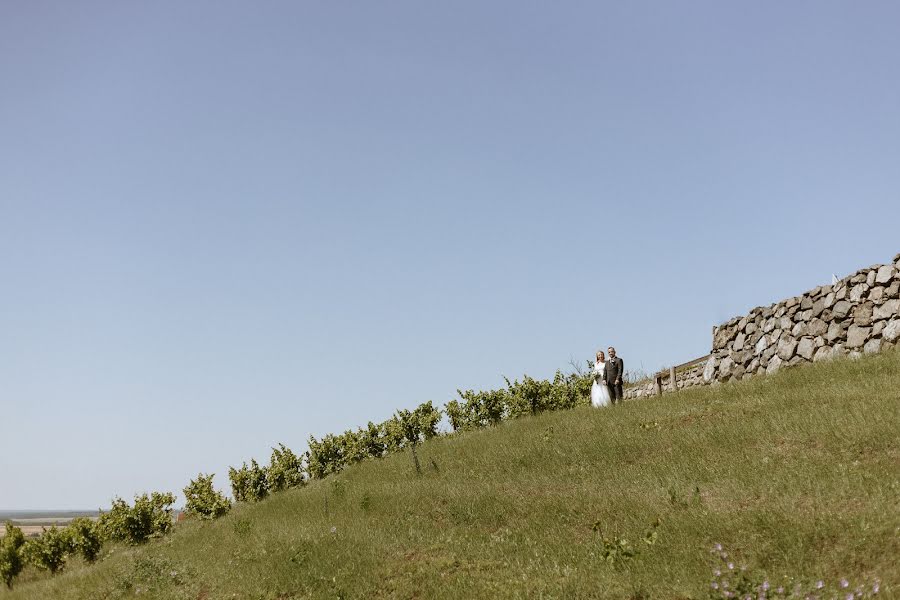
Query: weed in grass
[547, 436]
[242, 527]
[338, 488]
[618, 551]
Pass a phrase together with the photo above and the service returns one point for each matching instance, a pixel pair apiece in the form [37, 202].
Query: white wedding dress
[599, 391]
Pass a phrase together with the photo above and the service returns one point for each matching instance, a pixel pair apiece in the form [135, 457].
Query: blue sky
[225, 225]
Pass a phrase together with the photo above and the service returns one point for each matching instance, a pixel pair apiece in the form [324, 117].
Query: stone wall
[858, 314]
[687, 377]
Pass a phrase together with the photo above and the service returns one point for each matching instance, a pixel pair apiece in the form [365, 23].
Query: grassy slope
[798, 475]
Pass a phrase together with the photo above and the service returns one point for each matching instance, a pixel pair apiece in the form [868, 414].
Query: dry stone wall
[858, 314]
[684, 378]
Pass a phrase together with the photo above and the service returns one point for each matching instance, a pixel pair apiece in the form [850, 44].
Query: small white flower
[333, 529]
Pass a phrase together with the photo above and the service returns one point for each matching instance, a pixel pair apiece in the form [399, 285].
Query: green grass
[797, 477]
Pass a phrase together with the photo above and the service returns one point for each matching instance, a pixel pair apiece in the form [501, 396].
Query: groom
[613, 373]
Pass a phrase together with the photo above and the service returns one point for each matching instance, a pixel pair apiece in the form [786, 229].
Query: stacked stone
[683, 380]
[640, 390]
[859, 314]
[692, 377]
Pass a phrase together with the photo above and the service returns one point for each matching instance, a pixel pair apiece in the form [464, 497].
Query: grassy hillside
[796, 475]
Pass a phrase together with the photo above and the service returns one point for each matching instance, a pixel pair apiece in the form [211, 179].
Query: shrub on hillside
[371, 440]
[479, 410]
[151, 516]
[324, 456]
[528, 397]
[86, 538]
[11, 560]
[249, 483]
[202, 501]
[285, 469]
[426, 418]
[49, 550]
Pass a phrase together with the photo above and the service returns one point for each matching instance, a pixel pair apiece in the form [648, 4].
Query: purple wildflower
[876, 587]
[714, 585]
[844, 583]
[820, 584]
[731, 566]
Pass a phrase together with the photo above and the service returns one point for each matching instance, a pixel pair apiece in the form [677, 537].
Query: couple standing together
[608, 375]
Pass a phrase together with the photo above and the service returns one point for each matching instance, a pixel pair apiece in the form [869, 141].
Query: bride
[599, 391]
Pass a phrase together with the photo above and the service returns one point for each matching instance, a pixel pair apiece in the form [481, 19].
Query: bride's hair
[600, 354]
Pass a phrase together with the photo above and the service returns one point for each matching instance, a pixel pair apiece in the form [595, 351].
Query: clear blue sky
[225, 225]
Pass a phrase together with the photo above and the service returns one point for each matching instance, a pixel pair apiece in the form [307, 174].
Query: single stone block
[841, 309]
[725, 367]
[857, 336]
[806, 348]
[786, 348]
[835, 332]
[709, 371]
[816, 327]
[885, 273]
[739, 342]
[872, 346]
[891, 331]
[862, 315]
[888, 310]
[817, 308]
[870, 277]
[761, 345]
[774, 365]
[823, 353]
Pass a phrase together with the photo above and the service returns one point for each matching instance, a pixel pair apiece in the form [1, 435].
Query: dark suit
[614, 373]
